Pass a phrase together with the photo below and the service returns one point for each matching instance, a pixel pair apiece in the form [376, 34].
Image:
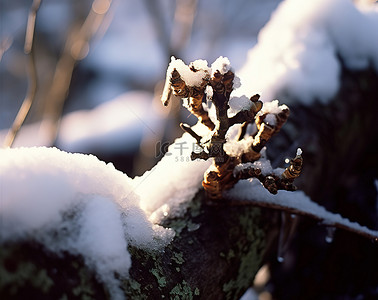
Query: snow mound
[76, 203]
[174, 181]
[297, 50]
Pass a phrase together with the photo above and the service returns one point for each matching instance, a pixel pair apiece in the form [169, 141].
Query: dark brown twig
[221, 83]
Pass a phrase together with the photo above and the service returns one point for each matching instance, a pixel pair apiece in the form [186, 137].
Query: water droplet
[330, 234]
[280, 250]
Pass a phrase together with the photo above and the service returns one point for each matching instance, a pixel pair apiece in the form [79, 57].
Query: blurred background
[99, 71]
[100, 67]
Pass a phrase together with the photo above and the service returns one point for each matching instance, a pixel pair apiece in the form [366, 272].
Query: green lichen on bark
[247, 261]
[182, 291]
[27, 269]
[217, 259]
[216, 252]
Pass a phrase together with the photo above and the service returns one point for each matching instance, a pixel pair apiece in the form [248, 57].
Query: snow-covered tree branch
[221, 202]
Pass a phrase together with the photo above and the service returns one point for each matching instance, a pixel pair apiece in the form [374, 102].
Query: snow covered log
[72, 227]
[215, 260]
[215, 254]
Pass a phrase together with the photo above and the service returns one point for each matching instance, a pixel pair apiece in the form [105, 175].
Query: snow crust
[297, 200]
[297, 50]
[174, 181]
[76, 203]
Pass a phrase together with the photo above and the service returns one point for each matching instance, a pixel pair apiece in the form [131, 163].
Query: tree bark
[215, 254]
[339, 141]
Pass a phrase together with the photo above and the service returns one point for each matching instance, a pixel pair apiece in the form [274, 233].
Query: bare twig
[183, 23]
[76, 49]
[218, 86]
[5, 44]
[32, 76]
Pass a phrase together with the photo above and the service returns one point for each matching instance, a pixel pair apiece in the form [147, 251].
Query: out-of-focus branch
[75, 49]
[5, 44]
[172, 40]
[175, 37]
[183, 23]
[32, 76]
[157, 16]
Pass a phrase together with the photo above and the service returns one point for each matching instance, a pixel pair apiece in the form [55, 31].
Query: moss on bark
[215, 255]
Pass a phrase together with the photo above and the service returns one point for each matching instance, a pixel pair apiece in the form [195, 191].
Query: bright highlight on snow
[192, 78]
[221, 64]
[297, 50]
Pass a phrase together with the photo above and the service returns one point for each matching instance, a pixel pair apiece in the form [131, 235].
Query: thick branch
[344, 223]
[215, 255]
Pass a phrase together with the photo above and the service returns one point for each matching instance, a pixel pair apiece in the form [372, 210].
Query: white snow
[174, 180]
[221, 64]
[237, 104]
[199, 64]
[209, 92]
[74, 202]
[234, 147]
[263, 164]
[272, 107]
[297, 50]
[296, 200]
[191, 78]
